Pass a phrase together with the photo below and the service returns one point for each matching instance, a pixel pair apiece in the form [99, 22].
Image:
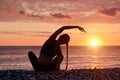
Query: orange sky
[31, 22]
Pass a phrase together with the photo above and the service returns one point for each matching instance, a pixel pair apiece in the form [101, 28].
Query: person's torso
[50, 49]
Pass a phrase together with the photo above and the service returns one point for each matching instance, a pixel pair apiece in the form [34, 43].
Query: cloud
[10, 32]
[52, 11]
[39, 32]
[40, 35]
[60, 15]
[27, 33]
[21, 12]
[30, 15]
[112, 12]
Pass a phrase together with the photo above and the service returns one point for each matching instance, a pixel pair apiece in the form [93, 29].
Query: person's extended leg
[33, 60]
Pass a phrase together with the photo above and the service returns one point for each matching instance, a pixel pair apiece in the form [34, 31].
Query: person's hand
[81, 29]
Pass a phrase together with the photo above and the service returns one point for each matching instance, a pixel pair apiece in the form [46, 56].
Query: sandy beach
[75, 74]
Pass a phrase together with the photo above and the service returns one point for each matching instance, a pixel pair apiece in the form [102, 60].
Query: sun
[94, 43]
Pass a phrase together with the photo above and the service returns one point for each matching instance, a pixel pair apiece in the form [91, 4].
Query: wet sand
[75, 74]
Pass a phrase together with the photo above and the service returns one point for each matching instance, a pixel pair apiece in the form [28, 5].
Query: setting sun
[94, 43]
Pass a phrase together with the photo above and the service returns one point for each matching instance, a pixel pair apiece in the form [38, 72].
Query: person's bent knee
[30, 53]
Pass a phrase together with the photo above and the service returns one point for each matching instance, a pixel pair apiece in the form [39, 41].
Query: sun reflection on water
[94, 57]
[94, 66]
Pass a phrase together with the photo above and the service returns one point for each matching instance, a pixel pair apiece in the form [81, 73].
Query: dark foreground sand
[76, 74]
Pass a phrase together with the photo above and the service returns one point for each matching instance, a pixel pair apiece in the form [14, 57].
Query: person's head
[63, 39]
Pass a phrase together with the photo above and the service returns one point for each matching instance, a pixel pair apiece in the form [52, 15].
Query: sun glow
[94, 43]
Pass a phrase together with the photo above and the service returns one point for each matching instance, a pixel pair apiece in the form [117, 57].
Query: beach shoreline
[73, 74]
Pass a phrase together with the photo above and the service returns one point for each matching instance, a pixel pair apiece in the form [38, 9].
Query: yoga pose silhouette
[51, 56]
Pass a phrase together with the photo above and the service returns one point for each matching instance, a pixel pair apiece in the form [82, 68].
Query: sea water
[80, 57]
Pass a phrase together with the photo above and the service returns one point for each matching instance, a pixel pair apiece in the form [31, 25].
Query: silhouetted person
[51, 56]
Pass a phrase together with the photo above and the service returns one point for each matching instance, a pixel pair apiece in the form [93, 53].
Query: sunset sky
[31, 22]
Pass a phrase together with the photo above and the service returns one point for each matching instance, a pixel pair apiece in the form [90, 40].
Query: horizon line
[61, 45]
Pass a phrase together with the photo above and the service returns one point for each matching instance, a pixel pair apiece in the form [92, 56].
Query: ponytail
[66, 56]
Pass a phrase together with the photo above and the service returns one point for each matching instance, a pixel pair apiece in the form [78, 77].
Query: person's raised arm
[57, 32]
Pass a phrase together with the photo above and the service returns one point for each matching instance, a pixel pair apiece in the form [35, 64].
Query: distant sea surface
[80, 57]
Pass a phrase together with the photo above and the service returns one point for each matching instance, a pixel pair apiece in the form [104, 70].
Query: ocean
[80, 57]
